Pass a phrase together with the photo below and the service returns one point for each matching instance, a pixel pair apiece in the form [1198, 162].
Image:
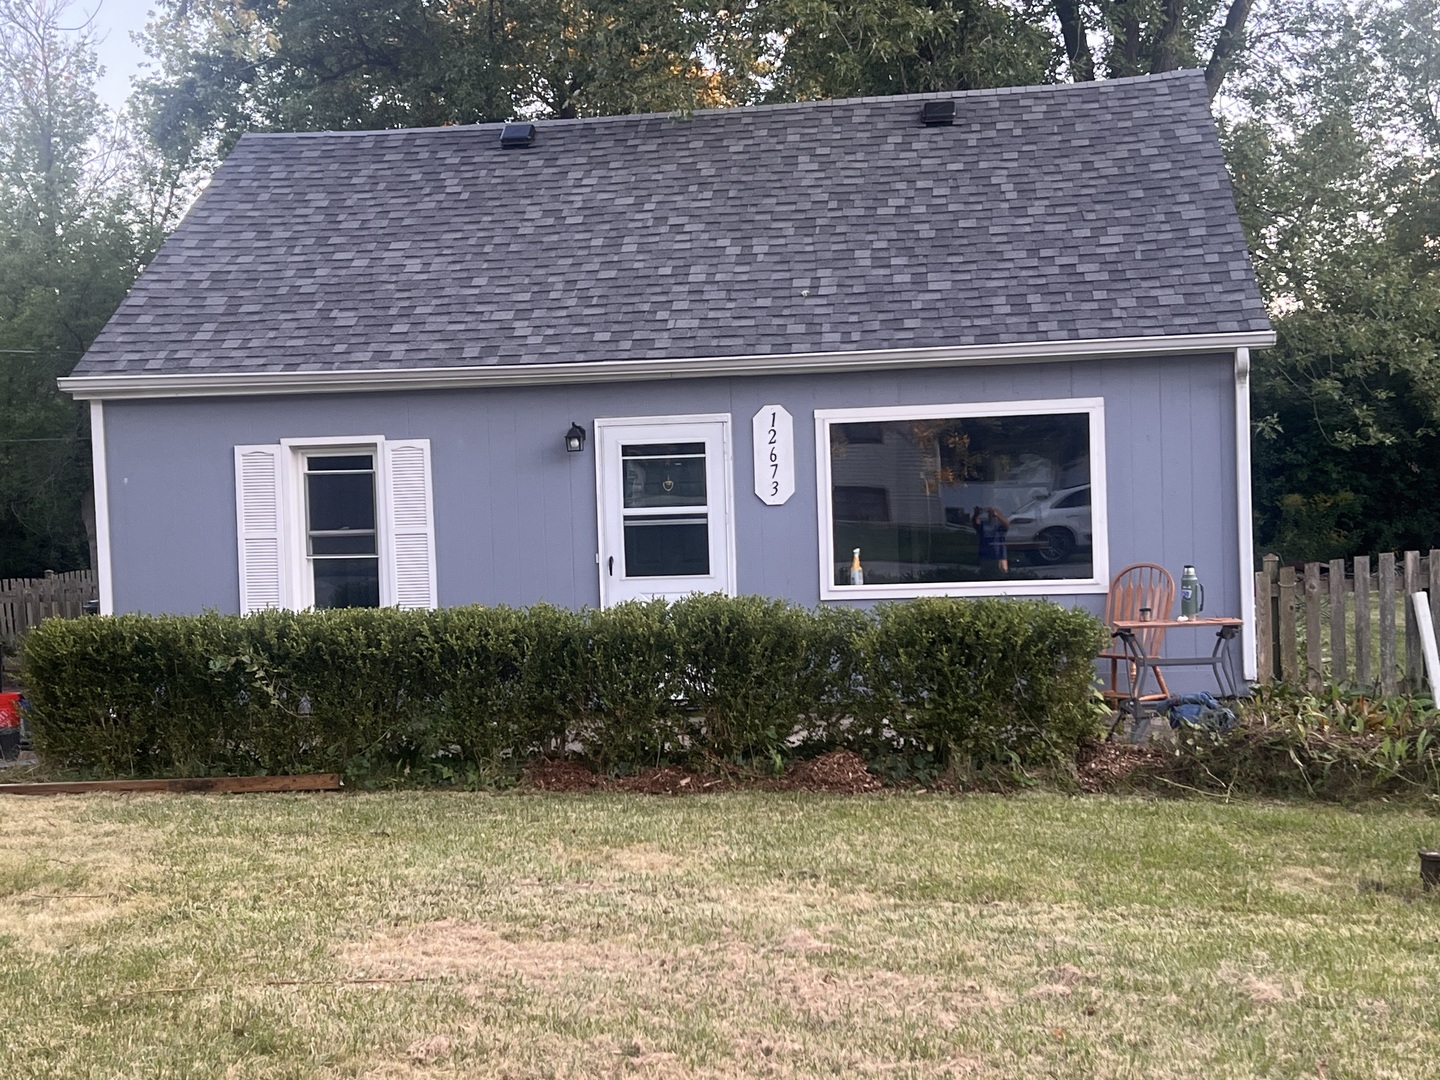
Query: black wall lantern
[575, 439]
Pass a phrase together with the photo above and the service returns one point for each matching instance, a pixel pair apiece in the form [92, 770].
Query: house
[741, 350]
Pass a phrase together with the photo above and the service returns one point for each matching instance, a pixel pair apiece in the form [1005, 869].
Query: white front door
[665, 506]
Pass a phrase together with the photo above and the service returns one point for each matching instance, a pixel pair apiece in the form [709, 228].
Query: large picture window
[963, 499]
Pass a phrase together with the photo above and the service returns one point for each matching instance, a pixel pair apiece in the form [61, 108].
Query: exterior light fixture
[575, 439]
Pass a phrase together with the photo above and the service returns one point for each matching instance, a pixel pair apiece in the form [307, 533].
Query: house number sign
[774, 455]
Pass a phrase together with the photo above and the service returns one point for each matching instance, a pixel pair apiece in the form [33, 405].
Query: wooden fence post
[1362, 622]
[1314, 664]
[1414, 669]
[1289, 653]
[1337, 621]
[1432, 565]
[1271, 564]
[1264, 628]
[1387, 623]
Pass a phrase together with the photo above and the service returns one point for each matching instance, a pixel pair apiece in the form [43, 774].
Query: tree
[833, 48]
[67, 255]
[1335, 151]
[231, 65]
[227, 66]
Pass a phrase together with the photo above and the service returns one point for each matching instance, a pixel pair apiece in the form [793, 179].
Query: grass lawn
[442, 935]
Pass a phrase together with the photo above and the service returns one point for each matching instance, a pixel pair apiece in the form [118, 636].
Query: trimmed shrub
[756, 672]
[430, 696]
[982, 681]
[624, 689]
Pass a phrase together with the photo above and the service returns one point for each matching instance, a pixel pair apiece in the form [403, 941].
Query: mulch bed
[838, 772]
[1101, 767]
[1117, 766]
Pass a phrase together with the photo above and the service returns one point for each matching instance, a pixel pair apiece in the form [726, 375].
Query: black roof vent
[936, 113]
[513, 136]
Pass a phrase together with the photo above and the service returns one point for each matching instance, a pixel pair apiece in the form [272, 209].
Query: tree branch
[1227, 45]
[1077, 45]
[1165, 56]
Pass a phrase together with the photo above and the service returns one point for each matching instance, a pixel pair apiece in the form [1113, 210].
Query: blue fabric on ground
[1199, 711]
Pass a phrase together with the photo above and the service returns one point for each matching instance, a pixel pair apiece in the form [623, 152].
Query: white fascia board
[234, 384]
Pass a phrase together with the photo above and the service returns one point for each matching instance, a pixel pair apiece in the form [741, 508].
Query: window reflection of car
[1051, 529]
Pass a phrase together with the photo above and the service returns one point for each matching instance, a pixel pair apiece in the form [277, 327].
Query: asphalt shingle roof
[1043, 214]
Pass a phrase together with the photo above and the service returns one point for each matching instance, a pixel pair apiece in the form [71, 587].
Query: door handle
[612, 565]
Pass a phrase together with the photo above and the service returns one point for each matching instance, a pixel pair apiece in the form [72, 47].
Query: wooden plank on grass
[232, 785]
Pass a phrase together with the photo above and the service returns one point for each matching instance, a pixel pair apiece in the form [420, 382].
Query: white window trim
[292, 492]
[727, 465]
[271, 519]
[1098, 582]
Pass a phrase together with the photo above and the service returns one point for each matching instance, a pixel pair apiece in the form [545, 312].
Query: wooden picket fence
[25, 601]
[1347, 622]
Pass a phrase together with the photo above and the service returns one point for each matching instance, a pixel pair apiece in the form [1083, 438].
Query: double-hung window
[328, 523]
[341, 547]
[988, 498]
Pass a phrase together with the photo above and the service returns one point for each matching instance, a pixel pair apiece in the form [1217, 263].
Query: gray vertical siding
[515, 515]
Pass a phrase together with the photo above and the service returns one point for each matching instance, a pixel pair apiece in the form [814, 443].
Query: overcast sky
[114, 22]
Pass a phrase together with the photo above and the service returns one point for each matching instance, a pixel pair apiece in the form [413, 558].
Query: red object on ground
[9, 710]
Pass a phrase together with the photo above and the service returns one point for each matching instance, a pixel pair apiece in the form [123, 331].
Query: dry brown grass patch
[68, 873]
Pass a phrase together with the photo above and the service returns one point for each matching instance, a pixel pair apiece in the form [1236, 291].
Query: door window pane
[667, 546]
[663, 480]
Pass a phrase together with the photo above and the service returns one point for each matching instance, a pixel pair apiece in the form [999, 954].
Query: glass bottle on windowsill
[857, 575]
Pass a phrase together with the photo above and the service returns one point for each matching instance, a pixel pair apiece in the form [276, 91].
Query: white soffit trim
[232, 384]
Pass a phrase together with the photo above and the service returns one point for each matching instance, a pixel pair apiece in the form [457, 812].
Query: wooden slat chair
[1139, 585]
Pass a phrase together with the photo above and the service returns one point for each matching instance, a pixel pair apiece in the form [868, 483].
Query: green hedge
[475, 691]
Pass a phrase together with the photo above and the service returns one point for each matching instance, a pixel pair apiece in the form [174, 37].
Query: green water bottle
[1192, 594]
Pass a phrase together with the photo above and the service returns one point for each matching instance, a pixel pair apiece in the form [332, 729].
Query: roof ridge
[730, 110]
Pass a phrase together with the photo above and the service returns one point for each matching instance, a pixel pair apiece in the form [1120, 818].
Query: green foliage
[625, 687]
[67, 256]
[227, 66]
[846, 48]
[984, 681]
[1333, 744]
[1334, 143]
[437, 696]
[761, 674]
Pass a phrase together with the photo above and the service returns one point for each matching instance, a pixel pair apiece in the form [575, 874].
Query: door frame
[722, 502]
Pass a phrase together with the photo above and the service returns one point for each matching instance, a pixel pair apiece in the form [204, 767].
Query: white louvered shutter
[412, 524]
[259, 527]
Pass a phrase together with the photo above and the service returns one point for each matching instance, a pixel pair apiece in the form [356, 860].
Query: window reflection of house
[861, 503]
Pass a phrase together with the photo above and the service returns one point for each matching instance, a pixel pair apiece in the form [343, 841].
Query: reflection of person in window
[991, 526]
